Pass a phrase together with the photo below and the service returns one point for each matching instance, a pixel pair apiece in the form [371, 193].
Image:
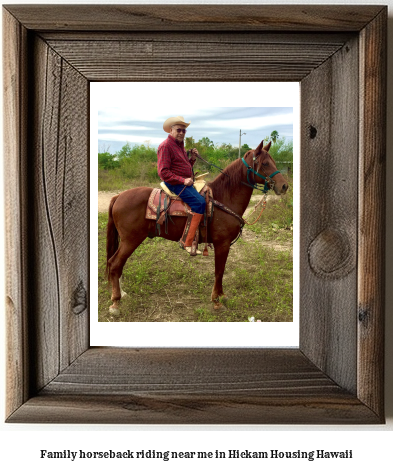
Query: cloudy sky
[135, 112]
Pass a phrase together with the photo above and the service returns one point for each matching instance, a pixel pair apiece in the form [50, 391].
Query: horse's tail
[112, 237]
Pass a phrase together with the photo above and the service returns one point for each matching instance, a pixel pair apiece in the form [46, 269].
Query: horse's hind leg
[122, 292]
[116, 265]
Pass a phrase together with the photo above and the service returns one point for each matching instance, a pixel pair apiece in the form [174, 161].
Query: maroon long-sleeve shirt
[173, 165]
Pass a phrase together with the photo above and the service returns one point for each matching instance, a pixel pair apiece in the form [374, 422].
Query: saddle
[162, 199]
[159, 202]
[163, 204]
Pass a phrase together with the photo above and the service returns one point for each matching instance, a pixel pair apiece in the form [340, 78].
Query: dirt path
[105, 197]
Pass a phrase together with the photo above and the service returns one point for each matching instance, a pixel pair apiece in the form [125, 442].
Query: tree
[125, 151]
[274, 135]
[190, 143]
[206, 142]
[226, 146]
[107, 161]
[282, 151]
[104, 148]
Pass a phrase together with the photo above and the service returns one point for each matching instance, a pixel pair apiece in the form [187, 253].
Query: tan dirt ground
[104, 199]
[183, 307]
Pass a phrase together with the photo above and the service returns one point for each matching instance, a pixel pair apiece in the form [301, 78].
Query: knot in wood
[313, 132]
[79, 299]
[364, 316]
[330, 254]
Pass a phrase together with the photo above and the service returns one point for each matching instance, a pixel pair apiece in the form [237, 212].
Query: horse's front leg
[220, 258]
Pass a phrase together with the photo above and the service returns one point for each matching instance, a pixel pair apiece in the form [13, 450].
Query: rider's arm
[164, 167]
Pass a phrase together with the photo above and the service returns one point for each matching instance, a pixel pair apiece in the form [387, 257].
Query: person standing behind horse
[176, 170]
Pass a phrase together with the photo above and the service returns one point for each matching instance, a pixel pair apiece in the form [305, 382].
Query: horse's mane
[224, 184]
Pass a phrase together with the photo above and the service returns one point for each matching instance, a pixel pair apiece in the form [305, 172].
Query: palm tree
[274, 135]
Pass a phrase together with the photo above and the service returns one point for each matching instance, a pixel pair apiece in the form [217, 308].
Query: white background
[371, 445]
[141, 334]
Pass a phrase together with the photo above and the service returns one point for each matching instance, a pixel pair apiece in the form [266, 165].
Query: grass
[164, 284]
[276, 219]
[112, 181]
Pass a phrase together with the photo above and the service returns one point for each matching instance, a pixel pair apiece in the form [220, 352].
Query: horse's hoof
[218, 302]
[218, 305]
[123, 294]
[114, 310]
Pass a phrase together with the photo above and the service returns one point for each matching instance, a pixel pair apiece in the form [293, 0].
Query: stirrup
[190, 251]
[190, 236]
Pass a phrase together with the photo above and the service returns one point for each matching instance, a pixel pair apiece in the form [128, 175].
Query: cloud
[251, 123]
[220, 124]
[124, 138]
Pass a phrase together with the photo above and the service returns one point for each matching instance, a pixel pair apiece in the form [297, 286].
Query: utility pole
[240, 140]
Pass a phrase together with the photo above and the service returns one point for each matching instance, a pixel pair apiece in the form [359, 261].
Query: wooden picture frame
[338, 54]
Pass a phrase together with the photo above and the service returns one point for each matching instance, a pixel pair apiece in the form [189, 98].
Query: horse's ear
[259, 148]
[267, 147]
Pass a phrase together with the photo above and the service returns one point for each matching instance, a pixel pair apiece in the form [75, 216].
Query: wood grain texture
[206, 371]
[200, 37]
[193, 409]
[14, 112]
[216, 60]
[195, 17]
[193, 386]
[329, 193]
[57, 214]
[372, 179]
[335, 376]
[59, 221]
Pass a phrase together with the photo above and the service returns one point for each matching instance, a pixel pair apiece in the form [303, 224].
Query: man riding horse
[176, 170]
[128, 225]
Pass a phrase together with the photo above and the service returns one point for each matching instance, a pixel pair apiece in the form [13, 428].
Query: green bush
[138, 163]
[107, 161]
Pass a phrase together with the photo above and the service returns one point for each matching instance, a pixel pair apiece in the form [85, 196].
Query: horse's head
[264, 164]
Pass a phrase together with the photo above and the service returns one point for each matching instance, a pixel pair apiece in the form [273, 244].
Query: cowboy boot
[189, 232]
[194, 246]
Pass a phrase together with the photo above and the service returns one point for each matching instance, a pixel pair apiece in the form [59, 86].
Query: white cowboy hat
[174, 121]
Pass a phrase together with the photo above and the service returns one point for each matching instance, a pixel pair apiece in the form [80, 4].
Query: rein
[267, 186]
[255, 208]
[232, 213]
[250, 169]
[265, 189]
[208, 163]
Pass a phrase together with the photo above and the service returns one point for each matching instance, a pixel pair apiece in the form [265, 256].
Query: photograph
[57, 370]
[195, 207]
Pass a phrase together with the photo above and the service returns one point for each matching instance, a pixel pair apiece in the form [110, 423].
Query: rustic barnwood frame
[338, 54]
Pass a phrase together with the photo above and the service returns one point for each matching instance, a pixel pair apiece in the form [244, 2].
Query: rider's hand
[188, 182]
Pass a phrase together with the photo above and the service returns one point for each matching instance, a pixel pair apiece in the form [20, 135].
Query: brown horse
[127, 227]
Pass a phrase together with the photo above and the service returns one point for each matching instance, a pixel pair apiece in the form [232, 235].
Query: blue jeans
[191, 196]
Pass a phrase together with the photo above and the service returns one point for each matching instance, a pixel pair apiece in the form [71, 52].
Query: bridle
[269, 183]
